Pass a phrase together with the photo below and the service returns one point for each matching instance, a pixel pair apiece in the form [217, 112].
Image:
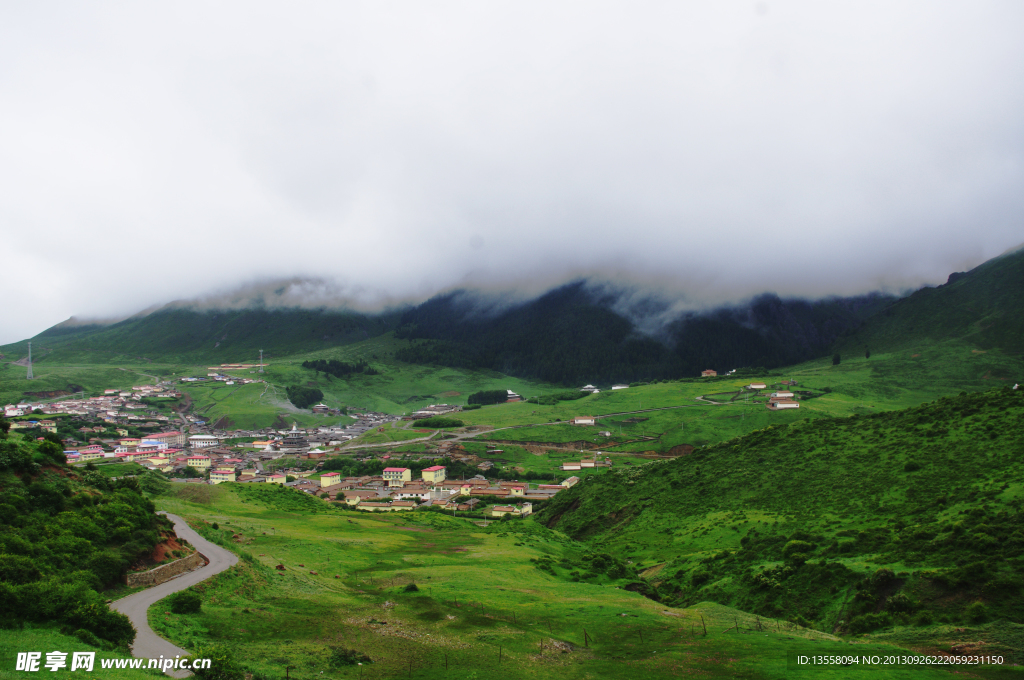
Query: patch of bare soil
[224, 423]
[163, 553]
[47, 395]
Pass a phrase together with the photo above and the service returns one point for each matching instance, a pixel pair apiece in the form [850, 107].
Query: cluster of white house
[114, 405]
[395, 489]
[219, 377]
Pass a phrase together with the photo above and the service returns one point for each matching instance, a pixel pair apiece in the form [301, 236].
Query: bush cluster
[63, 538]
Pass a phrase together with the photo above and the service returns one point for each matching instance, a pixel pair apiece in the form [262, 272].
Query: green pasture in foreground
[49, 639]
[482, 606]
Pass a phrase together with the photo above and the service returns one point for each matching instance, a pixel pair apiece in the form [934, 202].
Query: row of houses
[108, 408]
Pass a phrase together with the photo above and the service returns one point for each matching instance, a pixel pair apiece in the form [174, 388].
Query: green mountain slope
[982, 307]
[797, 520]
[179, 334]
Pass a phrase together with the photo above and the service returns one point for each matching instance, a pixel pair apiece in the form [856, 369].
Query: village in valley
[128, 426]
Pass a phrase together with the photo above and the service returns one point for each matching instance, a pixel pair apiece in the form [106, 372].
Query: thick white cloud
[151, 152]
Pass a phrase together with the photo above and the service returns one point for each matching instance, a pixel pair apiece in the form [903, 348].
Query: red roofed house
[330, 479]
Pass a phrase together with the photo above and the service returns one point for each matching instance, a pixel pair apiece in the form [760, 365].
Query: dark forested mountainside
[176, 333]
[572, 334]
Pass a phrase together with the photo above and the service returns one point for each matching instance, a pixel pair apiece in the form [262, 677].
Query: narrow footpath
[147, 643]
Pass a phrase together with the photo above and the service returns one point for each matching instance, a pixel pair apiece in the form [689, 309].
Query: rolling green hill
[982, 307]
[852, 524]
[177, 334]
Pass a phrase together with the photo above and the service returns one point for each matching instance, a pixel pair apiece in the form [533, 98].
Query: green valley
[697, 531]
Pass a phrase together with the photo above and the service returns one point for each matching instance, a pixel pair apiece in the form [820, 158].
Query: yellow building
[512, 510]
[199, 462]
[123, 433]
[158, 460]
[397, 476]
[276, 479]
[91, 456]
[330, 479]
[221, 475]
[435, 474]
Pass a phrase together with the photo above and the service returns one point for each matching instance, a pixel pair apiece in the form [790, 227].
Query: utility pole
[261, 361]
[28, 376]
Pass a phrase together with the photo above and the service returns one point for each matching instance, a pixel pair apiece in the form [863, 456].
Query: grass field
[483, 607]
[49, 639]
[675, 413]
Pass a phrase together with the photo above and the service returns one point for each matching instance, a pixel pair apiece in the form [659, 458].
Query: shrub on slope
[64, 537]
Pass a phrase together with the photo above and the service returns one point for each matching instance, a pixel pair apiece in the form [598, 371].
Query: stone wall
[165, 572]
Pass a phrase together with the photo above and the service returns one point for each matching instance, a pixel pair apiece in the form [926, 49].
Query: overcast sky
[156, 151]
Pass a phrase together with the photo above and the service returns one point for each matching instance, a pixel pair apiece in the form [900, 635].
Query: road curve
[147, 643]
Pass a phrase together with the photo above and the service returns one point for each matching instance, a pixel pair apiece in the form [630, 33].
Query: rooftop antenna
[261, 361]
[28, 376]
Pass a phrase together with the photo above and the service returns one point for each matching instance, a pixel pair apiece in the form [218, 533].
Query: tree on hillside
[488, 397]
[867, 354]
[304, 397]
[835, 359]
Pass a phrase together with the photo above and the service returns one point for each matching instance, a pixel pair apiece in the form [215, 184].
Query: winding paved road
[147, 643]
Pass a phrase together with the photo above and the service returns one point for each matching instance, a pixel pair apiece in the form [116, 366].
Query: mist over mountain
[585, 331]
[580, 333]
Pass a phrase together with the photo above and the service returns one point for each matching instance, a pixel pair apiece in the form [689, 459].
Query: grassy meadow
[704, 411]
[46, 638]
[504, 601]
